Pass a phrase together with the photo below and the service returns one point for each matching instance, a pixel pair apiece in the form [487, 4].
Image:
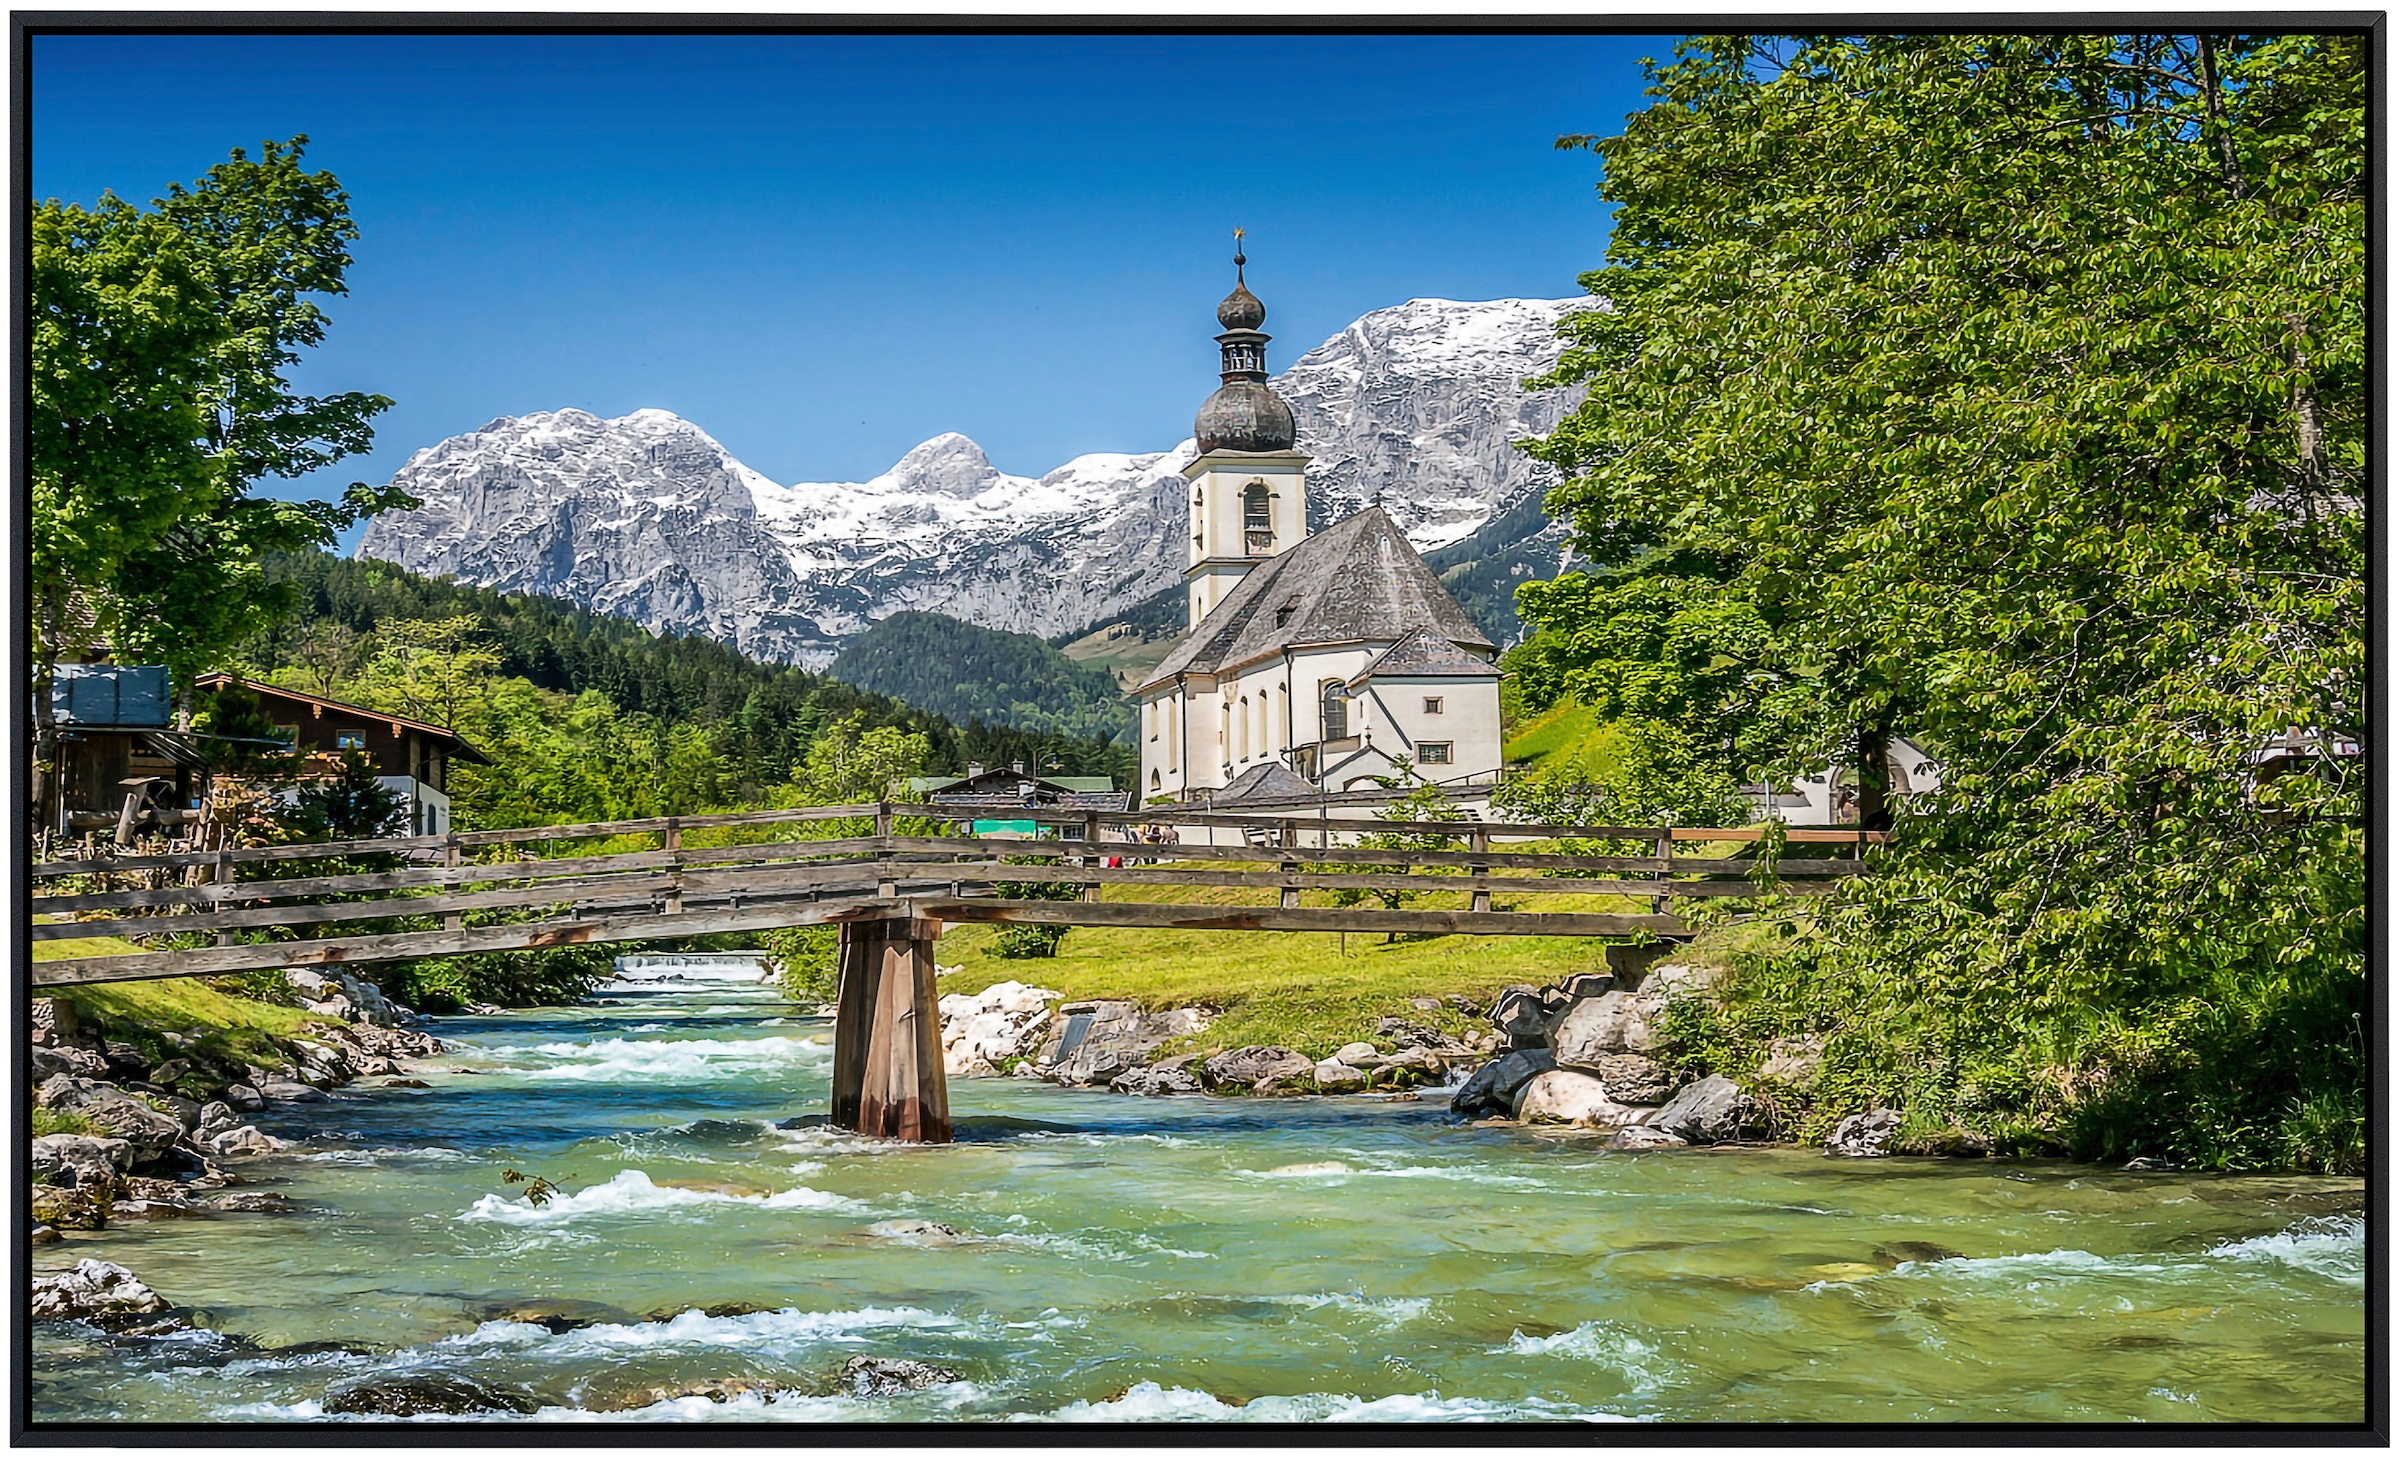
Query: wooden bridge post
[224, 883]
[1663, 902]
[887, 1033]
[670, 840]
[455, 921]
[1479, 840]
[1091, 852]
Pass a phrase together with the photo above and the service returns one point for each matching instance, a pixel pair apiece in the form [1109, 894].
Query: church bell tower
[1249, 487]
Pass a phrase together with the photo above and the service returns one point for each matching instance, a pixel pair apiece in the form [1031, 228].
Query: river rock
[69, 1209]
[557, 1314]
[46, 1235]
[125, 1060]
[244, 1099]
[1710, 1111]
[1115, 1037]
[1631, 1078]
[920, 1232]
[1564, 1097]
[254, 1202]
[241, 1142]
[1621, 1021]
[124, 1210]
[428, 1393]
[347, 997]
[150, 1132]
[1923, 1252]
[1643, 1136]
[1865, 1135]
[984, 1032]
[101, 1292]
[274, 1088]
[1335, 1076]
[1247, 1067]
[1410, 1066]
[44, 1063]
[891, 1376]
[1492, 1089]
[1521, 1017]
[80, 1161]
[715, 1389]
[1357, 1055]
[1153, 1082]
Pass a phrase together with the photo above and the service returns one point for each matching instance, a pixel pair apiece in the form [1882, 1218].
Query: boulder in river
[254, 1202]
[1710, 1111]
[119, 1113]
[1155, 1081]
[715, 1389]
[1866, 1135]
[1243, 1068]
[101, 1292]
[241, 1141]
[80, 1161]
[1335, 1076]
[431, 1392]
[891, 1376]
[1565, 1097]
[557, 1314]
[1410, 1066]
[1643, 1136]
[1492, 1089]
[44, 1063]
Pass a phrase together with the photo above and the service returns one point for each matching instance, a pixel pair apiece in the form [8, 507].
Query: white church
[1313, 663]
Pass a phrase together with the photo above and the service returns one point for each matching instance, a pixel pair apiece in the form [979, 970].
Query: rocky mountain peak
[947, 465]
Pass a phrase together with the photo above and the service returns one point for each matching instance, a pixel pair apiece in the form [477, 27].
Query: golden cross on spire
[1238, 259]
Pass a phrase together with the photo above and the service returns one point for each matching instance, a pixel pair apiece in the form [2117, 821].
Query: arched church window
[1258, 525]
[1154, 780]
[1335, 708]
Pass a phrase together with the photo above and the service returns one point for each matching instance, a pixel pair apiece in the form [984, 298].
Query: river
[1289, 1260]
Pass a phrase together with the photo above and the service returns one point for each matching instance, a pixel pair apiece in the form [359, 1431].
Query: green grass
[1313, 991]
[1567, 737]
[180, 1004]
[1129, 658]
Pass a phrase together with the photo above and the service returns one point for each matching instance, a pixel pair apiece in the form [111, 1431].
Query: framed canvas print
[911, 727]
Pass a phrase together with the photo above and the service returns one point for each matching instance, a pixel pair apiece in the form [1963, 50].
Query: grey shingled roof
[1357, 580]
[1425, 654]
[1264, 782]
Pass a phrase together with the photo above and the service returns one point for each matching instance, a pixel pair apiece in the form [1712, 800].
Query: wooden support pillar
[671, 841]
[455, 921]
[1091, 852]
[887, 1034]
[1479, 840]
[1663, 903]
[224, 887]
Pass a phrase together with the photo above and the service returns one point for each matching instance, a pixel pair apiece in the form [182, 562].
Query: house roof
[1358, 580]
[1264, 782]
[1425, 653]
[459, 747]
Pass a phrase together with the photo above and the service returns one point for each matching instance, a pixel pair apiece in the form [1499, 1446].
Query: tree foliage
[964, 673]
[2008, 391]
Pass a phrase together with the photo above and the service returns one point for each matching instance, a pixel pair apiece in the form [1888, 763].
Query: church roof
[1426, 654]
[1358, 580]
[1264, 782]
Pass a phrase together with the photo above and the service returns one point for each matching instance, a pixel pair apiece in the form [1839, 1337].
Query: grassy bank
[1312, 991]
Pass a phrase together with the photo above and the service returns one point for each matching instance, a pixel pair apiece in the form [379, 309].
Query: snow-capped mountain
[649, 518]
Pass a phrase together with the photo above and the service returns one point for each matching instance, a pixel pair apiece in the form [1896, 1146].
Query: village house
[411, 758]
[1338, 658]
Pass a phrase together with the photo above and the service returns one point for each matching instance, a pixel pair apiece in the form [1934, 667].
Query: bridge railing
[680, 889]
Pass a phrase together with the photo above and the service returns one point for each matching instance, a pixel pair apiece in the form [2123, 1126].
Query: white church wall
[1467, 721]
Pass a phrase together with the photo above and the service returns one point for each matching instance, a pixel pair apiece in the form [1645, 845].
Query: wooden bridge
[891, 891]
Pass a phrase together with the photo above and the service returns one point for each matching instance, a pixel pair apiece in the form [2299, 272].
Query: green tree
[851, 764]
[437, 671]
[2014, 387]
[1423, 804]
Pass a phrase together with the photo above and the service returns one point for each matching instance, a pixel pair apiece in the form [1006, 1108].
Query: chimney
[1016, 766]
[974, 768]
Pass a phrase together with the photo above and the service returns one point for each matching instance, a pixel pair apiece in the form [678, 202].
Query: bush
[547, 977]
[1018, 943]
[806, 960]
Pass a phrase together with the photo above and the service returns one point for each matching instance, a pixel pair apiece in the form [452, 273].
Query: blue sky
[825, 249]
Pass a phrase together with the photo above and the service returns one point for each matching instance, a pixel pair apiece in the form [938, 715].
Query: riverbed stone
[1357, 1055]
[1645, 1136]
[101, 1292]
[113, 1111]
[1562, 1096]
[1122, 1030]
[254, 1202]
[1411, 1066]
[557, 1314]
[68, 1208]
[1710, 1111]
[81, 1161]
[46, 1235]
[1865, 1135]
[1521, 1017]
[1245, 1067]
[244, 1099]
[1631, 1077]
[241, 1142]
[427, 1393]
[1335, 1076]
[983, 1032]
[274, 1088]
[1154, 1082]
[891, 1376]
[715, 1389]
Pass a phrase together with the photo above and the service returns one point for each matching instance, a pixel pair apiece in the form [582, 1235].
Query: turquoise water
[1304, 1259]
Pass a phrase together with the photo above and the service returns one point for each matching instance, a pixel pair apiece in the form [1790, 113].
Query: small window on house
[1429, 752]
[1154, 782]
[349, 739]
[1283, 615]
[1433, 705]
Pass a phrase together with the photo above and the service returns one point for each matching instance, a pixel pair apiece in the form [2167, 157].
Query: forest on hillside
[964, 672]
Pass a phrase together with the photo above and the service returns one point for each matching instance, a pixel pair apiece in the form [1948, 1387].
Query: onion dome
[1245, 414]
